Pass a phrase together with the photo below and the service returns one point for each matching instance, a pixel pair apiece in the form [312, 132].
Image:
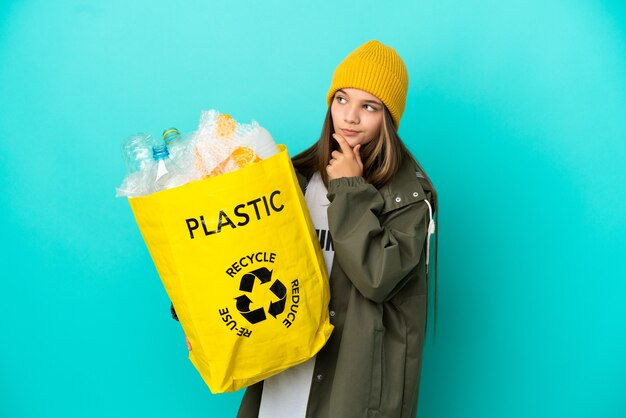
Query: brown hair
[382, 158]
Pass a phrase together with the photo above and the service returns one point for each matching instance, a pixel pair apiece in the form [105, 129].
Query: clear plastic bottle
[165, 173]
[137, 152]
[265, 145]
[174, 141]
[260, 140]
[171, 136]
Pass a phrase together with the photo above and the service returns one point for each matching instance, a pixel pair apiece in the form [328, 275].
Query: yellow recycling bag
[240, 261]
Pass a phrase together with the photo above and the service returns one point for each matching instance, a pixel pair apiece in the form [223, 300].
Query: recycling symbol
[247, 284]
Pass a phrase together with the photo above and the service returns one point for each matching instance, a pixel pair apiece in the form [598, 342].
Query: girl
[373, 207]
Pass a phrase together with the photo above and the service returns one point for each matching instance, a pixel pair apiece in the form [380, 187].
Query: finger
[345, 147]
[357, 154]
[336, 154]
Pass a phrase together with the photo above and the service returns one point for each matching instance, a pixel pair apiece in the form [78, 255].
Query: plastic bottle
[165, 173]
[174, 141]
[264, 144]
[137, 152]
[171, 136]
[257, 138]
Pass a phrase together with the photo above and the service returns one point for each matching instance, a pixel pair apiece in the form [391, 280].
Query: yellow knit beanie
[377, 69]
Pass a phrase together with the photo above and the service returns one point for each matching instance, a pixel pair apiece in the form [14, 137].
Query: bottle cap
[160, 152]
[171, 135]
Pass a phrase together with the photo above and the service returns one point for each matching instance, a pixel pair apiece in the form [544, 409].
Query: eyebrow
[365, 101]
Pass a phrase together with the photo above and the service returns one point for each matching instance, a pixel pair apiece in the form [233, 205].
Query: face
[357, 115]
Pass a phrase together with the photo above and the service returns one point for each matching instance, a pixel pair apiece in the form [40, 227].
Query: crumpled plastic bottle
[137, 154]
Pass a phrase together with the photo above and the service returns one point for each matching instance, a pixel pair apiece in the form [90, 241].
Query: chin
[353, 142]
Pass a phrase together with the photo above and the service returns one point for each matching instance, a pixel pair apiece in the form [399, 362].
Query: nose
[351, 115]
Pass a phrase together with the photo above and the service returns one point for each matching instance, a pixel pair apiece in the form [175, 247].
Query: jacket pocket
[376, 386]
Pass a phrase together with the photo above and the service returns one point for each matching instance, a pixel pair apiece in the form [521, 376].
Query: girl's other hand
[346, 163]
[188, 343]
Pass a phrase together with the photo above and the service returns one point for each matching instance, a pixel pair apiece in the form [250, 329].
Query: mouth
[349, 132]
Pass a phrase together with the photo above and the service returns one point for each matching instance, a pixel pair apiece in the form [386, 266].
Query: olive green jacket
[370, 367]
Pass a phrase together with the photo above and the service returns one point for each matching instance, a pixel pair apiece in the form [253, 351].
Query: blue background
[517, 110]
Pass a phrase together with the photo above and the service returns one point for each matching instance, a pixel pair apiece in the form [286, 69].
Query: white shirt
[286, 394]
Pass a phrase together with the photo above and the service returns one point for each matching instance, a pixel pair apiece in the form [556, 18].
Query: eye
[340, 99]
[370, 108]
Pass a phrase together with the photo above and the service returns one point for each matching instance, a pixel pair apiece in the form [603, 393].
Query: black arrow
[255, 316]
[278, 289]
[243, 306]
[243, 303]
[276, 308]
[247, 280]
[263, 274]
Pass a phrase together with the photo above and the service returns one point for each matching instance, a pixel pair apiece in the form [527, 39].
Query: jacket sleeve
[374, 256]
